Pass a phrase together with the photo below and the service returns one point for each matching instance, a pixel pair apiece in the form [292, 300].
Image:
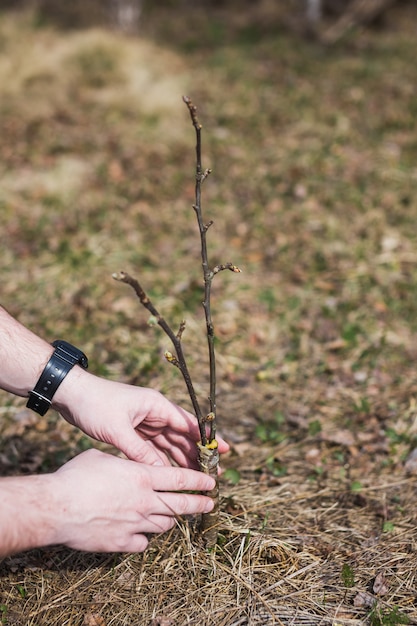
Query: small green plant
[270, 431]
[265, 519]
[232, 475]
[356, 486]
[21, 590]
[362, 406]
[316, 473]
[393, 617]
[268, 297]
[350, 333]
[388, 527]
[314, 428]
[348, 576]
[395, 437]
[275, 466]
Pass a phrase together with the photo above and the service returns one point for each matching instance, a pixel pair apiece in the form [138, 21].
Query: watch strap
[62, 360]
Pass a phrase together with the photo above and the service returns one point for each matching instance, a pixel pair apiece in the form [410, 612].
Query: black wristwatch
[61, 362]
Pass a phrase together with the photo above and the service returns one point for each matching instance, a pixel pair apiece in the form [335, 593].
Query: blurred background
[308, 113]
[309, 125]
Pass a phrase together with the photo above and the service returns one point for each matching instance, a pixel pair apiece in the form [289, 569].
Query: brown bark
[208, 459]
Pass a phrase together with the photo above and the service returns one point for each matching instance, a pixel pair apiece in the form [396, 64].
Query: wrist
[73, 391]
[35, 495]
[63, 359]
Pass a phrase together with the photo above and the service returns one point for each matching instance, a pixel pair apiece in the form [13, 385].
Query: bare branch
[207, 275]
[179, 361]
[193, 112]
[181, 330]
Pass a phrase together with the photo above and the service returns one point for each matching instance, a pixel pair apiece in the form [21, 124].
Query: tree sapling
[208, 455]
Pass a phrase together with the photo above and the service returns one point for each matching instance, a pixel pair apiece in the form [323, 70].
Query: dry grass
[314, 196]
[281, 558]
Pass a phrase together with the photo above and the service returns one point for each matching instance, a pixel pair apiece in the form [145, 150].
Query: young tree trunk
[208, 459]
[208, 453]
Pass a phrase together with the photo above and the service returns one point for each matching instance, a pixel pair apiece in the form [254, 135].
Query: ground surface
[313, 195]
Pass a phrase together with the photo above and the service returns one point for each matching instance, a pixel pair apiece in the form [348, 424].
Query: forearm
[27, 516]
[23, 356]
[97, 502]
[140, 422]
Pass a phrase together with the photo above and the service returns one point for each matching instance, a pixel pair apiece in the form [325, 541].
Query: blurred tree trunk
[74, 14]
[326, 20]
[122, 15]
[357, 12]
[125, 14]
[314, 11]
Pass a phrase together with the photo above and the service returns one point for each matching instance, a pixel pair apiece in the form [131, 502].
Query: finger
[180, 449]
[177, 504]
[223, 445]
[140, 450]
[160, 523]
[136, 543]
[183, 459]
[179, 479]
[183, 422]
[162, 455]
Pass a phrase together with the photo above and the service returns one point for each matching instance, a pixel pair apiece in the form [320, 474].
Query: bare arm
[140, 422]
[23, 355]
[25, 513]
[97, 501]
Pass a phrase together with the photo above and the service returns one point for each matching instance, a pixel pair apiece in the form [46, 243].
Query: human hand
[102, 503]
[140, 422]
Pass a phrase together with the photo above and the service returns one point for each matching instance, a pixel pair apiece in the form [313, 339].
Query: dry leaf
[380, 584]
[242, 448]
[115, 171]
[364, 600]
[342, 437]
[411, 463]
[336, 344]
[93, 619]
[313, 455]
[162, 621]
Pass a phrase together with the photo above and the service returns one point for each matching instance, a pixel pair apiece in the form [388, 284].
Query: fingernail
[209, 506]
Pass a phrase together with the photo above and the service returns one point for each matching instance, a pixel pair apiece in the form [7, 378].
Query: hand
[105, 504]
[140, 422]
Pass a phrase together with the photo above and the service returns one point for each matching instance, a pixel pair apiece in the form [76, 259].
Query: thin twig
[179, 361]
[207, 274]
